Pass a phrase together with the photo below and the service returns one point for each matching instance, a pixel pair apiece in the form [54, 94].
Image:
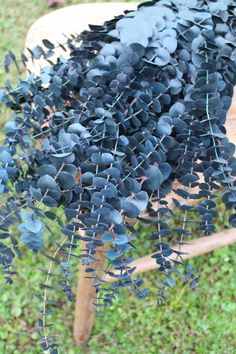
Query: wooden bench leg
[85, 310]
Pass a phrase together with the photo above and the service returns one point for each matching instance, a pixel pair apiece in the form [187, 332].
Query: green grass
[190, 322]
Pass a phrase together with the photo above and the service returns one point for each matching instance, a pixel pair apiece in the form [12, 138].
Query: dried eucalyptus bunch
[99, 138]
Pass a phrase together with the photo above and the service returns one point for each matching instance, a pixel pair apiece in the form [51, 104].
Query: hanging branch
[139, 104]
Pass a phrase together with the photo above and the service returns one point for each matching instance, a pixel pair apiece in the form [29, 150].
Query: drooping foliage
[106, 134]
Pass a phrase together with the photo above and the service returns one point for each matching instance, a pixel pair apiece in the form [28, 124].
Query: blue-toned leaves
[158, 88]
[117, 252]
[130, 209]
[47, 183]
[99, 182]
[163, 127]
[189, 178]
[134, 113]
[123, 140]
[49, 201]
[139, 200]
[76, 128]
[102, 159]
[162, 56]
[134, 31]
[48, 44]
[10, 127]
[232, 220]
[154, 179]
[45, 78]
[5, 157]
[3, 174]
[165, 169]
[65, 180]
[117, 237]
[115, 217]
[47, 170]
[31, 231]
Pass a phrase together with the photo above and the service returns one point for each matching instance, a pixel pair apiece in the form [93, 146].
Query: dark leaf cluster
[136, 112]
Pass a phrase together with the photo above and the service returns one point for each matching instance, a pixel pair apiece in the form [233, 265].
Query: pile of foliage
[140, 103]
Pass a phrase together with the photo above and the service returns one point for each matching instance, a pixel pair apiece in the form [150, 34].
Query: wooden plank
[56, 25]
[195, 248]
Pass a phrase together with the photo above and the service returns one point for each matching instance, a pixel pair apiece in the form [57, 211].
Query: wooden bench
[72, 20]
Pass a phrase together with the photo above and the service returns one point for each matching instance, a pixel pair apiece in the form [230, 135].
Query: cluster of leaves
[139, 104]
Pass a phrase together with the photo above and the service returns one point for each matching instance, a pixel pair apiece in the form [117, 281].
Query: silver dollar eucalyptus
[98, 139]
